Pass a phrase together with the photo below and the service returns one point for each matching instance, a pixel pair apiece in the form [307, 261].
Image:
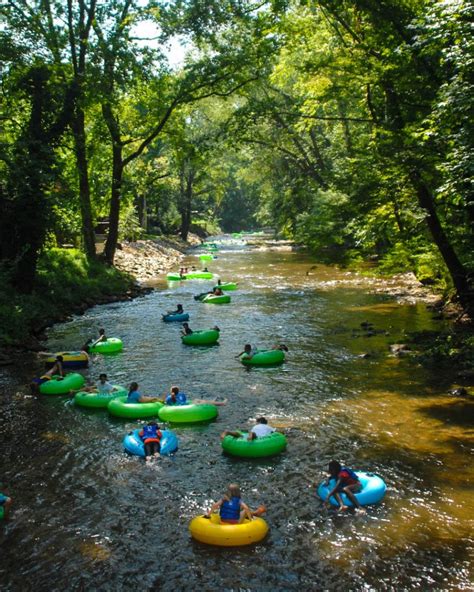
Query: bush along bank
[67, 283]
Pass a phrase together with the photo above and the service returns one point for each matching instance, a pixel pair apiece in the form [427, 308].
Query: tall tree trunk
[88, 235]
[115, 199]
[186, 204]
[456, 269]
[142, 211]
[30, 216]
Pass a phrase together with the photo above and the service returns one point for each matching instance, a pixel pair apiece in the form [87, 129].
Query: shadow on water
[88, 516]
[454, 412]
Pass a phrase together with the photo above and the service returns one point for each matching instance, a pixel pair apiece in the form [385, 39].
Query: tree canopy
[346, 125]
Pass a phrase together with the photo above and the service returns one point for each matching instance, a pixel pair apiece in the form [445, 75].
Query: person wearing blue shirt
[175, 397]
[232, 509]
[134, 395]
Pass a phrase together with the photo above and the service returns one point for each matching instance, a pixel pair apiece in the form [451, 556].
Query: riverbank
[69, 284]
[146, 259]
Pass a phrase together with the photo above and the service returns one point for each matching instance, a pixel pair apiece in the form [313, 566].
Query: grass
[65, 279]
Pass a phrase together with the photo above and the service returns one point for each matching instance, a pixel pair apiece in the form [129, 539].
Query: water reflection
[99, 519]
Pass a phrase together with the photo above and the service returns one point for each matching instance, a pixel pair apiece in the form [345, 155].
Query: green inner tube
[61, 386]
[174, 277]
[111, 346]
[257, 448]
[2, 512]
[187, 413]
[264, 357]
[201, 337]
[119, 408]
[98, 400]
[199, 275]
[206, 257]
[227, 286]
[213, 299]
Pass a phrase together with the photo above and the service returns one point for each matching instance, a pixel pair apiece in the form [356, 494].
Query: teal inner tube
[187, 413]
[257, 448]
[373, 490]
[112, 345]
[213, 299]
[98, 400]
[119, 408]
[62, 386]
[269, 357]
[201, 337]
[227, 286]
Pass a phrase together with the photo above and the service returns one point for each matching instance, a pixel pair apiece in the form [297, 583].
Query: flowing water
[88, 517]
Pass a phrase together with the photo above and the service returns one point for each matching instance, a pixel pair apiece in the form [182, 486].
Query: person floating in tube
[346, 482]
[232, 509]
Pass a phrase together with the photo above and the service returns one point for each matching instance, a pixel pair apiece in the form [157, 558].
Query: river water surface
[89, 517]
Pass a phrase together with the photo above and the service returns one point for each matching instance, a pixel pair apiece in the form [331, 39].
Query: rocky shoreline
[146, 259]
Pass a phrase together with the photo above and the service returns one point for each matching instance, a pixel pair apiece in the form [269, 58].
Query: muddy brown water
[89, 517]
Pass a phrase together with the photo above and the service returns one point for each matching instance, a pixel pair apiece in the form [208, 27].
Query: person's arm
[101, 338]
[246, 509]
[333, 491]
[251, 436]
[145, 399]
[215, 506]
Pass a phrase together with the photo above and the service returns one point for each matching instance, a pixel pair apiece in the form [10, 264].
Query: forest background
[345, 125]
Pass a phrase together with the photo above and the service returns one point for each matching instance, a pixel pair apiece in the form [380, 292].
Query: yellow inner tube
[212, 532]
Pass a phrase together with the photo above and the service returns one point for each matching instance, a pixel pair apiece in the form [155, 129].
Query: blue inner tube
[169, 318]
[134, 444]
[373, 490]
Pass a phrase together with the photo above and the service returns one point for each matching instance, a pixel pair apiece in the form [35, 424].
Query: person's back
[175, 397]
[57, 368]
[133, 394]
[230, 509]
[186, 329]
[150, 433]
[348, 476]
[261, 430]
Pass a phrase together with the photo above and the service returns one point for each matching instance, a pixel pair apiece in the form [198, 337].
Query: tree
[220, 70]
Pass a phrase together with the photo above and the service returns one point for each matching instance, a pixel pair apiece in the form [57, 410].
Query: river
[88, 517]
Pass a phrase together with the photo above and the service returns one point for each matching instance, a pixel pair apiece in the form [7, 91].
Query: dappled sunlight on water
[99, 519]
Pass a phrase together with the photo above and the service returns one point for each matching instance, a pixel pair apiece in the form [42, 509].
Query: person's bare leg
[342, 506]
[350, 494]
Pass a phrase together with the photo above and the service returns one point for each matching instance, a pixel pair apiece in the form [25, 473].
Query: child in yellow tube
[232, 509]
